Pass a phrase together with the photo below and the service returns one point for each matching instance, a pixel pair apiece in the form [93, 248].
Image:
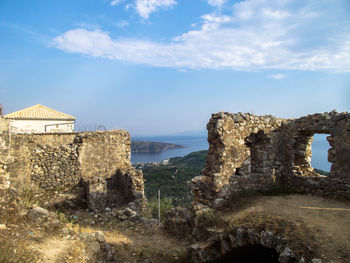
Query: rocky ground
[34, 229]
[315, 229]
[40, 227]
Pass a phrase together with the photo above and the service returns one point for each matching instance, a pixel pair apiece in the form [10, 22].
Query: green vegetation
[321, 172]
[166, 204]
[150, 147]
[172, 179]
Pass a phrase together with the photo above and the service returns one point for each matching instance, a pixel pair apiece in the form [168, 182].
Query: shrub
[166, 204]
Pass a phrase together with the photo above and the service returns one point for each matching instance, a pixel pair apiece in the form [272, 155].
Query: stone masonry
[65, 161]
[257, 152]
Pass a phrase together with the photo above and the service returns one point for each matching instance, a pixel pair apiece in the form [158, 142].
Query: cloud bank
[257, 34]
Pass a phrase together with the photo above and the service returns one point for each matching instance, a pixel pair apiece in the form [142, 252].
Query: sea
[319, 146]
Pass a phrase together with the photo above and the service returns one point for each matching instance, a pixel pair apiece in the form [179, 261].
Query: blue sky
[163, 66]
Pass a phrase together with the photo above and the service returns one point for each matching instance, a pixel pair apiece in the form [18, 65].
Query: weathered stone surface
[148, 222]
[122, 188]
[286, 256]
[96, 193]
[257, 152]
[179, 221]
[62, 161]
[38, 213]
[100, 237]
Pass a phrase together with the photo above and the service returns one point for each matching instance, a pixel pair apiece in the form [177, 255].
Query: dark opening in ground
[250, 254]
[319, 148]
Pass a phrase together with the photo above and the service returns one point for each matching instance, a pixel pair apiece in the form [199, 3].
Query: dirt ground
[322, 225]
[313, 226]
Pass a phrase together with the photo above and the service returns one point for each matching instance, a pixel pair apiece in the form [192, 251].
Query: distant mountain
[152, 147]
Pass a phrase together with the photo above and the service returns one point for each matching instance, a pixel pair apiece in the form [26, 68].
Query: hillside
[152, 147]
[172, 178]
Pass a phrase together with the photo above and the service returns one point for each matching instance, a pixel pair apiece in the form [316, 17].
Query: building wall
[39, 126]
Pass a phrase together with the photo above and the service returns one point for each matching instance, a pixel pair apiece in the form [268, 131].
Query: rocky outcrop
[152, 147]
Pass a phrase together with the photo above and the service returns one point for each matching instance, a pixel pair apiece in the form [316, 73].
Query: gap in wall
[319, 148]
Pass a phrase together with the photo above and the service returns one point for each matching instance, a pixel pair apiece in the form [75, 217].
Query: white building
[40, 119]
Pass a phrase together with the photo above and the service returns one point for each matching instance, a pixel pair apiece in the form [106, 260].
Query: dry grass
[322, 230]
[12, 251]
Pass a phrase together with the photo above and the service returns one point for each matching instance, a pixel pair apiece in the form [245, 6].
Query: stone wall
[257, 152]
[64, 161]
[4, 141]
[55, 168]
[298, 172]
[102, 153]
[34, 155]
[242, 155]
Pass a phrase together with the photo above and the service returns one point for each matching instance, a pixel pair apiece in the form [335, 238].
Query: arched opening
[319, 159]
[249, 254]
[312, 153]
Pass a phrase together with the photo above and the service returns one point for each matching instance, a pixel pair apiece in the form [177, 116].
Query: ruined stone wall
[102, 153]
[33, 157]
[4, 141]
[55, 168]
[242, 154]
[62, 161]
[52, 139]
[298, 172]
[257, 152]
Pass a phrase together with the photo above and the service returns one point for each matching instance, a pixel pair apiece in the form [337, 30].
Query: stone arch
[219, 246]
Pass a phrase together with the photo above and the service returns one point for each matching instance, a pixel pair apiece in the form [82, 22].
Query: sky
[157, 67]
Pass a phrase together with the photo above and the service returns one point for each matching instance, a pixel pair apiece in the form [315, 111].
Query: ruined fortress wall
[52, 139]
[60, 160]
[55, 167]
[241, 155]
[37, 158]
[257, 152]
[101, 160]
[4, 140]
[298, 172]
[102, 153]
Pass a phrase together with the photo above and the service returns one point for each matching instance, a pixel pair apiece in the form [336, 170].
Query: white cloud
[146, 7]
[122, 23]
[116, 2]
[261, 34]
[217, 2]
[277, 76]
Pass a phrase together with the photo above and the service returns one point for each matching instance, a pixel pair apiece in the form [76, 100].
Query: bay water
[319, 160]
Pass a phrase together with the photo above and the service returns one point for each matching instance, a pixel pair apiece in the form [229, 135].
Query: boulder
[38, 213]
